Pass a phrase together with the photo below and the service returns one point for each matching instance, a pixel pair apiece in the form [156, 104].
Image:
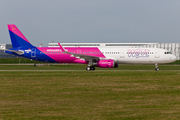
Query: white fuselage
[138, 55]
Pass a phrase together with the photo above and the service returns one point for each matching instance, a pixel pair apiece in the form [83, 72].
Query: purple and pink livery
[93, 56]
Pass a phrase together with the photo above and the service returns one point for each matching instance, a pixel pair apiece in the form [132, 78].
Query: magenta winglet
[61, 47]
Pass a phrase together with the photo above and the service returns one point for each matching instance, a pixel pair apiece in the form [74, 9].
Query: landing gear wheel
[92, 68]
[157, 69]
[88, 68]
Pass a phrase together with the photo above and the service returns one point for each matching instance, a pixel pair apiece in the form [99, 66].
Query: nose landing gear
[156, 67]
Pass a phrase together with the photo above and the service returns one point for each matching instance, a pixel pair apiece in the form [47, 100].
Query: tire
[88, 68]
[92, 68]
[157, 69]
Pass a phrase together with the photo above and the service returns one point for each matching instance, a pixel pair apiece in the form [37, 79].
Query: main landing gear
[90, 68]
[156, 69]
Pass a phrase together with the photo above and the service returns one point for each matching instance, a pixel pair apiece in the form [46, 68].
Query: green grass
[83, 67]
[104, 95]
[25, 61]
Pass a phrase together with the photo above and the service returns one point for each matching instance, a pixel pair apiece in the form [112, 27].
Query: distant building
[172, 47]
[3, 54]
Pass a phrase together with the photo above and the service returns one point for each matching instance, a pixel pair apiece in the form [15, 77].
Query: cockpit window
[167, 53]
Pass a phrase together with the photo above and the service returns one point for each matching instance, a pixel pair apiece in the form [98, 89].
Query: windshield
[167, 53]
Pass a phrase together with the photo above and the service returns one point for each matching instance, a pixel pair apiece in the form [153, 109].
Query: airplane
[93, 56]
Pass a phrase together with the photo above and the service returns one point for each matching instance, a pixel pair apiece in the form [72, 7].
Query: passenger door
[78, 51]
[122, 54]
[156, 53]
[33, 52]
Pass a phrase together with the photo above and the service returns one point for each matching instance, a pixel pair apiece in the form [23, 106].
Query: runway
[76, 70]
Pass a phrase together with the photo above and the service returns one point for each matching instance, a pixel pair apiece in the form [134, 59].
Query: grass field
[83, 67]
[26, 61]
[121, 93]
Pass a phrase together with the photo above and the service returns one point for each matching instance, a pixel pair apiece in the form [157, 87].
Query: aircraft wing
[15, 51]
[85, 57]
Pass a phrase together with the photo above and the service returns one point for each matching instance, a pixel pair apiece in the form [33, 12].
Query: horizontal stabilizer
[15, 51]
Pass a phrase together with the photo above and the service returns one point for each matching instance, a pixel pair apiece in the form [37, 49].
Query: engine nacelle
[107, 64]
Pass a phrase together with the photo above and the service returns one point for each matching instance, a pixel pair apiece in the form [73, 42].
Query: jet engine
[106, 64]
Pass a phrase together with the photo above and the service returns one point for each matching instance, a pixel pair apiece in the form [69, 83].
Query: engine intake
[107, 64]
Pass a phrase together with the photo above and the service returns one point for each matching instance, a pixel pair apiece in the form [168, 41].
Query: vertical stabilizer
[17, 38]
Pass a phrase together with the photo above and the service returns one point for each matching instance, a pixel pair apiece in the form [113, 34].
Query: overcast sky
[92, 21]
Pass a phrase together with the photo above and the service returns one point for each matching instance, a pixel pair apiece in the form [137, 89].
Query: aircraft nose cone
[173, 58]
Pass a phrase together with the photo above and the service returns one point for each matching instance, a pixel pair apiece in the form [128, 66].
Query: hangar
[3, 54]
[172, 47]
